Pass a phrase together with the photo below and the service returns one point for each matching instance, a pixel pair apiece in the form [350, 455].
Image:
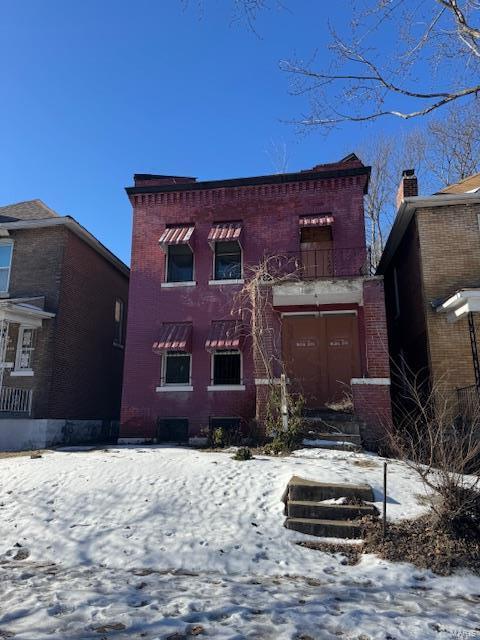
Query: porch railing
[469, 402]
[313, 264]
[15, 400]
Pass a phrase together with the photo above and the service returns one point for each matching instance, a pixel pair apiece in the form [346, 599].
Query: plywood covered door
[321, 355]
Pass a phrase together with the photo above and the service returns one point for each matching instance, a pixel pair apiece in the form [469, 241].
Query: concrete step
[335, 437]
[329, 416]
[309, 490]
[325, 528]
[319, 424]
[322, 511]
[331, 445]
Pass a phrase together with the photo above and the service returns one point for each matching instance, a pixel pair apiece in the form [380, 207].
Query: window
[172, 430]
[6, 249]
[227, 368]
[179, 263]
[119, 321]
[177, 367]
[25, 349]
[228, 260]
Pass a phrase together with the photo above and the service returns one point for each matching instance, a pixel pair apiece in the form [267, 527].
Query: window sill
[226, 387]
[171, 285]
[222, 282]
[174, 388]
[21, 374]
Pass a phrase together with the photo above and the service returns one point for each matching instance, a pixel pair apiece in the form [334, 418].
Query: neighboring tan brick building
[431, 266]
[189, 362]
[61, 346]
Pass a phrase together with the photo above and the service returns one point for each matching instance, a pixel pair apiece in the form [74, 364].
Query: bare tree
[388, 157]
[435, 40]
[453, 145]
[278, 155]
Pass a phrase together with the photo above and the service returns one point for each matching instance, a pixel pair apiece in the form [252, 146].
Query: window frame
[10, 243]
[163, 373]
[17, 369]
[224, 352]
[121, 323]
[167, 281]
[214, 264]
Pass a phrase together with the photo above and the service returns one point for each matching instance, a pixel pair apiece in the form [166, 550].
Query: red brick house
[189, 364]
[63, 298]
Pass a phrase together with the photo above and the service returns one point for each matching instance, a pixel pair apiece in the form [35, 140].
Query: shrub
[243, 453]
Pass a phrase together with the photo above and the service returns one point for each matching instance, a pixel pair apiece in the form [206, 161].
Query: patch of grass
[366, 464]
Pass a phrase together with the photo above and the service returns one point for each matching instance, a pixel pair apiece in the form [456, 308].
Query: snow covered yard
[153, 542]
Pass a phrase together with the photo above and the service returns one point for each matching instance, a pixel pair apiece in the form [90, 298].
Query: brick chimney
[408, 186]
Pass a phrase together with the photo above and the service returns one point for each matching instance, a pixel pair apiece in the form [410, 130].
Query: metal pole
[283, 403]
[473, 344]
[384, 499]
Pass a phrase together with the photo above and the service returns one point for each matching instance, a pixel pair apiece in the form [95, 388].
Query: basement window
[179, 263]
[227, 368]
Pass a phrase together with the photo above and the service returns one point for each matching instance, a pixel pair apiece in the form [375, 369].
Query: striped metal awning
[315, 220]
[225, 334]
[174, 336]
[181, 234]
[224, 232]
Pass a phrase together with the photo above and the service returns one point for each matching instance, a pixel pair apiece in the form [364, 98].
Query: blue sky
[93, 92]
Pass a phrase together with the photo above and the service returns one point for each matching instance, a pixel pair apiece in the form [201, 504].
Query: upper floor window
[179, 263]
[228, 260]
[119, 322]
[6, 250]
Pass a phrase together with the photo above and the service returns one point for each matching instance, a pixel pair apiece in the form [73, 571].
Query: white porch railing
[15, 400]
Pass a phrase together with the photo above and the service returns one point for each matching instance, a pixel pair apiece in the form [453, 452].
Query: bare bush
[442, 447]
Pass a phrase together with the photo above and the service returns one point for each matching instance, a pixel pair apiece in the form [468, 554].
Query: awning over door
[181, 234]
[174, 336]
[224, 232]
[225, 334]
[316, 220]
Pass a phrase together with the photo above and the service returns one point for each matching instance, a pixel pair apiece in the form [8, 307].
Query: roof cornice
[280, 178]
[76, 228]
[406, 212]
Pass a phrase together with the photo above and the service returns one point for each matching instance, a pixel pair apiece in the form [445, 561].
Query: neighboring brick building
[61, 347]
[431, 266]
[189, 362]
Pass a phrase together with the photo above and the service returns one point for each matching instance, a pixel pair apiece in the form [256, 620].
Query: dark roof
[322, 171]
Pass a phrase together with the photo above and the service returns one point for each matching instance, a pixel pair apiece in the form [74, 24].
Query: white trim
[19, 373]
[171, 285]
[174, 388]
[379, 381]
[339, 312]
[265, 381]
[226, 387]
[305, 314]
[222, 282]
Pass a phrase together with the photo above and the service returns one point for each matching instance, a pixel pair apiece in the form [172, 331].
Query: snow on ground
[157, 541]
